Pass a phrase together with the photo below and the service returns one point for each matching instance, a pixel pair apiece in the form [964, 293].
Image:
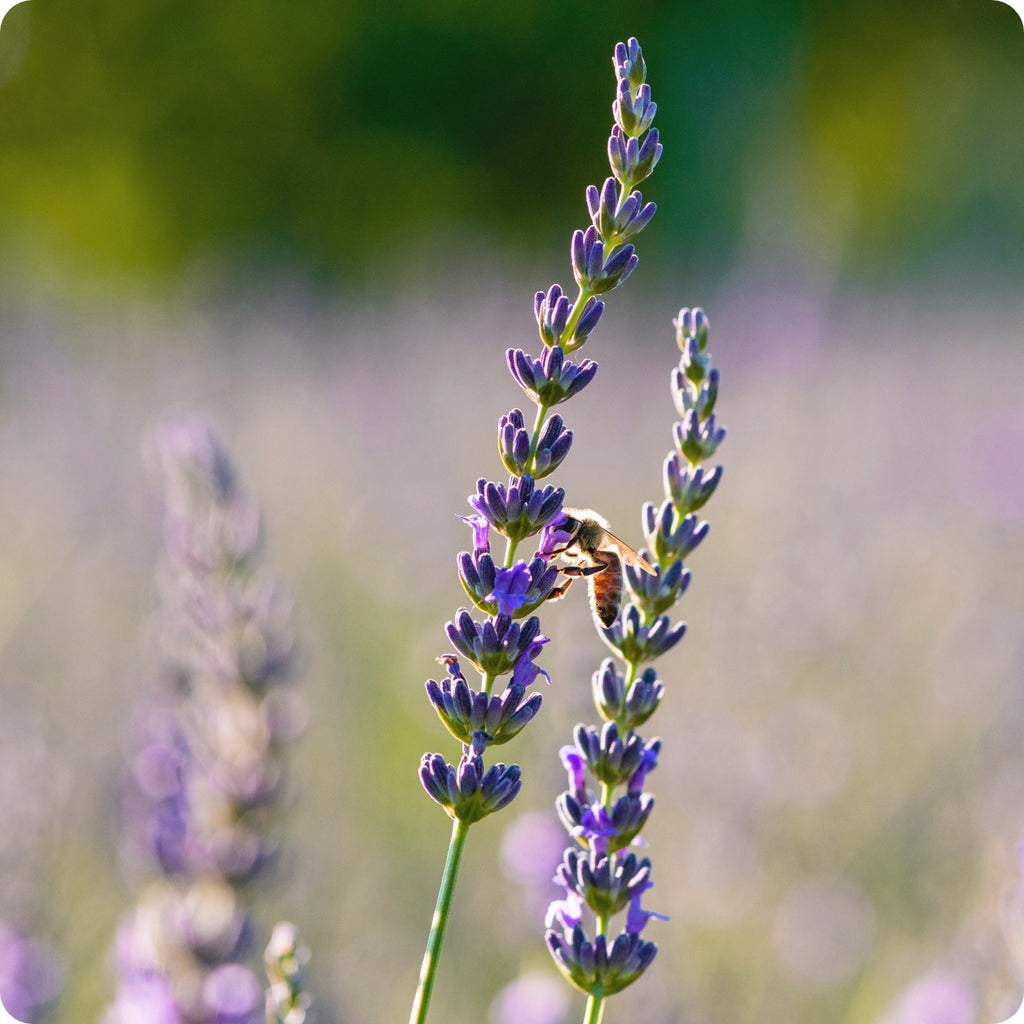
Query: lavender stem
[431, 955]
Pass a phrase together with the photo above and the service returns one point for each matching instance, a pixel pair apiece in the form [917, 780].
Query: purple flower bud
[670, 537]
[591, 825]
[689, 487]
[590, 267]
[552, 310]
[551, 379]
[658, 592]
[553, 445]
[605, 884]
[643, 698]
[615, 760]
[695, 440]
[691, 323]
[592, 967]
[628, 816]
[514, 592]
[518, 510]
[697, 396]
[634, 109]
[628, 62]
[616, 221]
[632, 161]
[478, 719]
[614, 704]
[638, 641]
[477, 575]
[694, 369]
[514, 443]
[494, 646]
[468, 792]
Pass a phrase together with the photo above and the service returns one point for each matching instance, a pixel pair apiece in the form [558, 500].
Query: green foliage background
[337, 137]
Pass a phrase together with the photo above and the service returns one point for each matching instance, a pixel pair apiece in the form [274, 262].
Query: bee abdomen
[606, 589]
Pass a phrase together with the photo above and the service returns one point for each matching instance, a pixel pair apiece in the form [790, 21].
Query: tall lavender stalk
[505, 589]
[605, 807]
[207, 768]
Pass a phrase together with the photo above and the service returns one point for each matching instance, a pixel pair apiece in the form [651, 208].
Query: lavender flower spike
[595, 872]
[507, 590]
[208, 763]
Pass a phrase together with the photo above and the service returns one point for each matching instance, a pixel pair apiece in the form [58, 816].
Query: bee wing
[631, 557]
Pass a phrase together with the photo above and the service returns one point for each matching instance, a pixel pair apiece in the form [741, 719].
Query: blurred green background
[334, 138]
[323, 224]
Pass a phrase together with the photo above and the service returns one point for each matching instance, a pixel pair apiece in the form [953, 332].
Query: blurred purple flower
[208, 761]
[530, 999]
[935, 998]
[31, 976]
[233, 995]
[145, 999]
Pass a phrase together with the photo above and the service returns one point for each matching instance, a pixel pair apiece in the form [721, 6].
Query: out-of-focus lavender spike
[208, 764]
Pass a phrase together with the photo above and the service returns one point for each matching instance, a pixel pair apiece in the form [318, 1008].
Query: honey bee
[595, 552]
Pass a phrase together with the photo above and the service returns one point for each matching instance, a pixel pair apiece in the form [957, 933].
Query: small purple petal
[510, 587]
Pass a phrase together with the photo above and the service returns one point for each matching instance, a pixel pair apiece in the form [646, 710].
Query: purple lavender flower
[479, 719]
[207, 769]
[481, 533]
[511, 587]
[525, 671]
[593, 966]
[145, 998]
[552, 378]
[602, 878]
[506, 589]
[567, 912]
[637, 918]
[31, 975]
[511, 592]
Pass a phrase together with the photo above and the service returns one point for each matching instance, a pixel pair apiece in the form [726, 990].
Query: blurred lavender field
[842, 788]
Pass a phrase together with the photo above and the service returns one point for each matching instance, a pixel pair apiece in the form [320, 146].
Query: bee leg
[559, 591]
[582, 570]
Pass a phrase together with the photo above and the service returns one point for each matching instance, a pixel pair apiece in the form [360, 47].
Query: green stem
[574, 315]
[632, 668]
[542, 411]
[595, 1009]
[435, 939]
